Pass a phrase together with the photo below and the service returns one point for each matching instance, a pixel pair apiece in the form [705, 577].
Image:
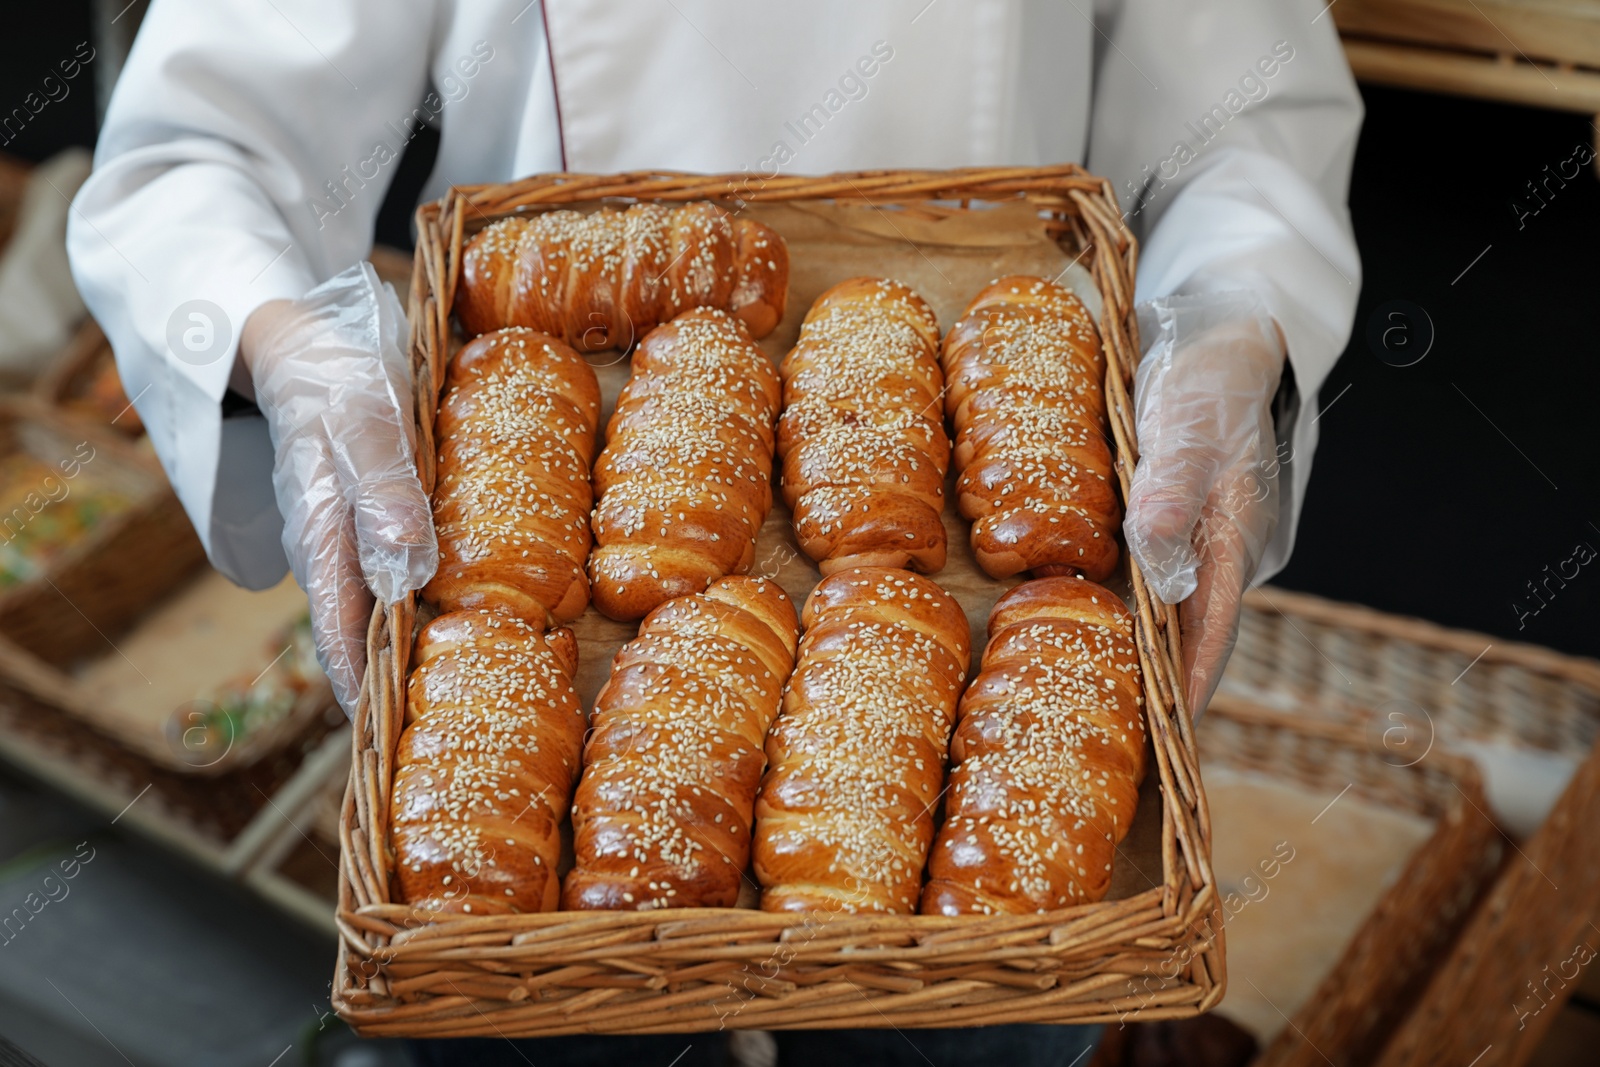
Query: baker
[222, 236]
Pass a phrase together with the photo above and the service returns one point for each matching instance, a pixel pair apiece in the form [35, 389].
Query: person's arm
[220, 242]
[239, 164]
[1229, 132]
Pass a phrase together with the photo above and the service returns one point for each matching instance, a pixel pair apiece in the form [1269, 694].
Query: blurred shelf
[1539, 53]
[1508, 80]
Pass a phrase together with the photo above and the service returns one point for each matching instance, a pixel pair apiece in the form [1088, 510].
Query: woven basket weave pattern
[1342, 661]
[695, 969]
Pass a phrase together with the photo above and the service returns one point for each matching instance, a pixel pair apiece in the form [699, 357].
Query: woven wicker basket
[697, 969]
[1360, 1002]
[1441, 689]
[120, 567]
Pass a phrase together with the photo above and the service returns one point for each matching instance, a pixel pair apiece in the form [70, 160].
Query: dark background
[29, 50]
[1420, 503]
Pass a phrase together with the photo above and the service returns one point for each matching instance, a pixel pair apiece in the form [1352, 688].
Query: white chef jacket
[247, 148]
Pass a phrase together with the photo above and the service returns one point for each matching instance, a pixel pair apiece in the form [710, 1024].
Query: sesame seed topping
[1051, 749]
[684, 481]
[606, 278]
[1026, 394]
[485, 766]
[845, 815]
[863, 424]
[676, 751]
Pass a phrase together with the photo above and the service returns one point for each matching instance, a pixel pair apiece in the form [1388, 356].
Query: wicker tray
[108, 577]
[1433, 691]
[699, 969]
[176, 691]
[1334, 767]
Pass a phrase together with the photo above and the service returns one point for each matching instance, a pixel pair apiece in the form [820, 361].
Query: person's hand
[1204, 500]
[331, 380]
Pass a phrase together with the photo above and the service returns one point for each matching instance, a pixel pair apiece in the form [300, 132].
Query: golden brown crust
[605, 279]
[685, 480]
[1026, 395]
[663, 813]
[485, 766]
[862, 433]
[516, 432]
[1049, 753]
[845, 815]
[762, 289]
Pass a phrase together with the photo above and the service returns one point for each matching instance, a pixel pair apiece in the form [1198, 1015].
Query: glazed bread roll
[1026, 397]
[485, 766]
[516, 434]
[857, 756]
[1048, 753]
[663, 812]
[862, 433]
[606, 279]
[685, 480]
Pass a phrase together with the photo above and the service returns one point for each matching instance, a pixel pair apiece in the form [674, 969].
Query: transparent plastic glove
[331, 379]
[1204, 499]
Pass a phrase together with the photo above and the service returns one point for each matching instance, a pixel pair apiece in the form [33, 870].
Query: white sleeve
[1229, 131]
[245, 154]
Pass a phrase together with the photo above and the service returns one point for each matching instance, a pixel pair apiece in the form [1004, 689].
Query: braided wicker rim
[400, 972]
